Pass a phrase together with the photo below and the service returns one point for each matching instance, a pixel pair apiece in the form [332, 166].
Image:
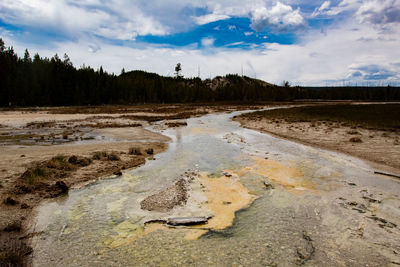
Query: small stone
[226, 174]
[118, 173]
[268, 185]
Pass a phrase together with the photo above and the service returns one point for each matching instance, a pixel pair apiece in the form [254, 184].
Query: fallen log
[387, 174]
[186, 220]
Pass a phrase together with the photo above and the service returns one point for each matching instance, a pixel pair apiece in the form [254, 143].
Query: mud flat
[370, 132]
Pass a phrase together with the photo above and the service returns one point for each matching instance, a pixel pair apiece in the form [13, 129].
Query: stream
[320, 211]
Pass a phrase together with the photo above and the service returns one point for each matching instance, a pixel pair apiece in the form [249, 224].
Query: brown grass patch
[355, 140]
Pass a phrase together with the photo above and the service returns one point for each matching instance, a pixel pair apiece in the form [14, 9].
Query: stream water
[81, 228]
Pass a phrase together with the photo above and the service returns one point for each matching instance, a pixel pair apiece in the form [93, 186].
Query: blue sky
[305, 42]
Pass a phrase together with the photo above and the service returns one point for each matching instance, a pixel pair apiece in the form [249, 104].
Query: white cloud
[209, 18]
[316, 59]
[207, 41]
[325, 5]
[110, 21]
[280, 17]
[379, 12]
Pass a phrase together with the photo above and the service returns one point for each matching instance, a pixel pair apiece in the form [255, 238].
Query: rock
[359, 210]
[352, 203]
[166, 199]
[227, 174]
[268, 186]
[118, 173]
[372, 200]
[186, 220]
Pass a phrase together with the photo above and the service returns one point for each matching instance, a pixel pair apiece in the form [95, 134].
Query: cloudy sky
[309, 42]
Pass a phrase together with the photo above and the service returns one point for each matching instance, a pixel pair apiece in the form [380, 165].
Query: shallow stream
[102, 224]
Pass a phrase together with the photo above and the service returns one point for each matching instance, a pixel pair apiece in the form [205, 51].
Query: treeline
[55, 81]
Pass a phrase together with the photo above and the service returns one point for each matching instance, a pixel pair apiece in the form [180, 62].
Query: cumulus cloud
[379, 12]
[372, 72]
[336, 56]
[280, 17]
[69, 18]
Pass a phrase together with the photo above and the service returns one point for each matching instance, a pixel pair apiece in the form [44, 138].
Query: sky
[311, 42]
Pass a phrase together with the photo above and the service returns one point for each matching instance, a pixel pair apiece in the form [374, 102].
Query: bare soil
[379, 146]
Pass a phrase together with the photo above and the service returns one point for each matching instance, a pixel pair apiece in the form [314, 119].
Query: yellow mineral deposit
[287, 176]
[225, 195]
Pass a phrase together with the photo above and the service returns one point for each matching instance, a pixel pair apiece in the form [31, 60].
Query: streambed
[317, 214]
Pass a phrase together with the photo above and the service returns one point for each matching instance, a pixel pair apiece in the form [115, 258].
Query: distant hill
[55, 82]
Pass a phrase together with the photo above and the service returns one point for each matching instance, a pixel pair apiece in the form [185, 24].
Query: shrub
[34, 174]
[60, 162]
[135, 151]
[113, 156]
[98, 155]
[355, 140]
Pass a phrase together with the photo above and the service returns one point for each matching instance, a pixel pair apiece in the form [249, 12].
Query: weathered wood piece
[387, 174]
[186, 220]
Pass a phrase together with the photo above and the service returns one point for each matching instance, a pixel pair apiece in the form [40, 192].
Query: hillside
[56, 82]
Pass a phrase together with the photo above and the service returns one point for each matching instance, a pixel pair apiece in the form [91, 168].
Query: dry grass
[13, 252]
[385, 117]
[104, 155]
[355, 140]
[135, 151]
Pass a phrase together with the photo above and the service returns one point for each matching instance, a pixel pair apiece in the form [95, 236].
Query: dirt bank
[381, 147]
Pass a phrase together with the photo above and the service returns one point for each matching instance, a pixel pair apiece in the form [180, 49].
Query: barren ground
[376, 145]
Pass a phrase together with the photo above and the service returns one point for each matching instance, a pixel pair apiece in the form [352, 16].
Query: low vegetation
[104, 155]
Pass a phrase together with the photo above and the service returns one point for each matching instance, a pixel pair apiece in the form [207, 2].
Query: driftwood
[186, 220]
[387, 174]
